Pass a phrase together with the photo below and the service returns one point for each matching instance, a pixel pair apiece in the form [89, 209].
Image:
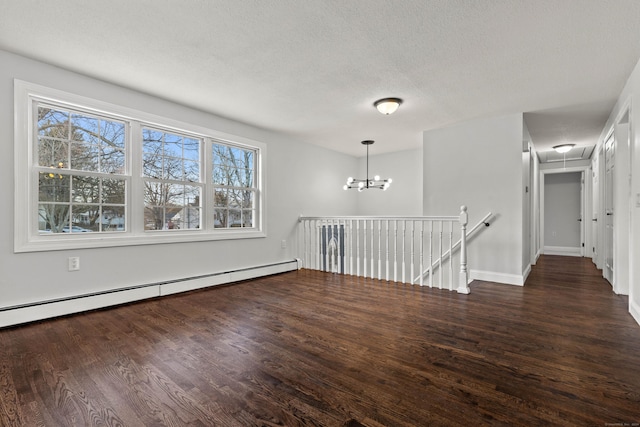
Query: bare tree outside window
[235, 187]
[172, 184]
[79, 159]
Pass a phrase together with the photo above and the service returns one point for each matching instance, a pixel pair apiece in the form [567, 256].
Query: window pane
[113, 191]
[53, 123]
[112, 160]
[235, 199]
[155, 193]
[54, 187]
[84, 219]
[173, 146]
[153, 218]
[247, 218]
[191, 171]
[53, 153]
[84, 156]
[247, 199]
[113, 218]
[172, 169]
[221, 197]
[220, 218]
[52, 218]
[152, 143]
[188, 217]
[112, 134]
[191, 149]
[84, 129]
[85, 189]
[152, 165]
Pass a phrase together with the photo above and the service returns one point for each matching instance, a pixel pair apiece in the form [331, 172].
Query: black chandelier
[364, 184]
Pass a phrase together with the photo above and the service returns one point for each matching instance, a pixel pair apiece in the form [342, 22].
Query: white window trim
[26, 237]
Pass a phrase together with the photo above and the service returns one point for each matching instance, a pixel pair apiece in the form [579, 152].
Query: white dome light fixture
[563, 148]
[387, 105]
[365, 184]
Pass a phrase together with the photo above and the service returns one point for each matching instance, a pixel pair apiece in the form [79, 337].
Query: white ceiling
[312, 69]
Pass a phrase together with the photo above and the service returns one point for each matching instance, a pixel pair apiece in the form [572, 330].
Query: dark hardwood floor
[315, 349]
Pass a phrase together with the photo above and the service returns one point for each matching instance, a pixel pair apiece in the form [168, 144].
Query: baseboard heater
[40, 310]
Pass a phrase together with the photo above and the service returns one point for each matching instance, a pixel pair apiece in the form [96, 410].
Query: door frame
[585, 206]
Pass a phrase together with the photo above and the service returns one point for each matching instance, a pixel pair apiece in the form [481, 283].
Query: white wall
[301, 179]
[628, 101]
[404, 196]
[479, 164]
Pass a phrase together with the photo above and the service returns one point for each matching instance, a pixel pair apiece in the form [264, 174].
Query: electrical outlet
[74, 263]
[283, 244]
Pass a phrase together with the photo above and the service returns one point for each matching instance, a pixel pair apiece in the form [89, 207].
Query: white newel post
[463, 285]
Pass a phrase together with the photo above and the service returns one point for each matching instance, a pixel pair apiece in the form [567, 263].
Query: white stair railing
[438, 263]
[388, 247]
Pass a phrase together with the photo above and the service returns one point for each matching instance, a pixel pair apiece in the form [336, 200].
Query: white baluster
[387, 257]
[440, 279]
[413, 243]
[395, 251]
[341, 257]
[357, 247]
[404, 232]
[421, 254]
[372, 250]
[450, 255]
[379, 251]
[351, 245]
[364, 248]
[326, 246]
[430, 254]
[316, 245]
[463, 284]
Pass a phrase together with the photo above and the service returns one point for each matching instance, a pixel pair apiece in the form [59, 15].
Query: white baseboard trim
[526, 273]
[41, 310]
[562, 250]
[492, 276]
[634, 309]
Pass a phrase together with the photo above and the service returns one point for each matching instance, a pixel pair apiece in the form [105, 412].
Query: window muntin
[79, 157]
[233, 173]
[171, 170]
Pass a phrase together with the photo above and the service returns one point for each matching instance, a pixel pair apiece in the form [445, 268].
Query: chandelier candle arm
[365, 184]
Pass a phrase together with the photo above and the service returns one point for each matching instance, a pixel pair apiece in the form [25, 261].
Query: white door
[608, 208]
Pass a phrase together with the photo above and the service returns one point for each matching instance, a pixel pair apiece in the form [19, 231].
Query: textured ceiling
[312, 69]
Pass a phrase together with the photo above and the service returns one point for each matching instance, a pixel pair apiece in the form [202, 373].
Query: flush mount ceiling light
[563, 148]
[365, 184]
[387, 105]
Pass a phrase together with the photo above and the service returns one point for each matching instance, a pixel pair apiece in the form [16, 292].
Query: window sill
[42, 243]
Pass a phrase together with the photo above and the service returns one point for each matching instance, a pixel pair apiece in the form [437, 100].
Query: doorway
[563, 213]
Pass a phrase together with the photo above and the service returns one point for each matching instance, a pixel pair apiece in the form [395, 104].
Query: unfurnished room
[368, 213]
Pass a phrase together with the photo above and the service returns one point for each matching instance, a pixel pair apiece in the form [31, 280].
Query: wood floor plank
[308, 348]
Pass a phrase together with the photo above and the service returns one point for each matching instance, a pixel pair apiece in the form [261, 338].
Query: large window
[90, 174]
